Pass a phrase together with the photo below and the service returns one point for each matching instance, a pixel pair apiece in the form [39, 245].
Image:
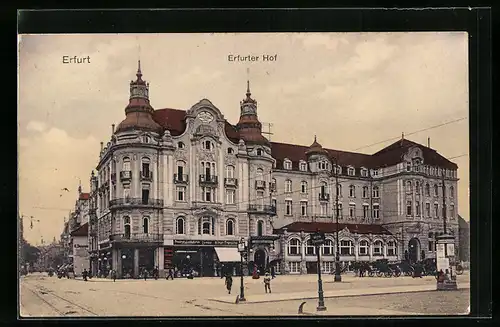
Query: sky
[350, 89]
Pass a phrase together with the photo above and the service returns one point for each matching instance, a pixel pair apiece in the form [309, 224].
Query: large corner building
[178, 188]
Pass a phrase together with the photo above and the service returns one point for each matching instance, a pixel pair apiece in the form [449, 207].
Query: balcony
[262, 209]
[113, 178]
[209, 179]
[125, 175]
[181, 179]
[146, 175]
[136, 238]
[229, 181]
[272, 187]
[135, 202]
[260, 185]
[324, 196]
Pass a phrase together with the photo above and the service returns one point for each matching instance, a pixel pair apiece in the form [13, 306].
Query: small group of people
[267, 283]
[443, 276]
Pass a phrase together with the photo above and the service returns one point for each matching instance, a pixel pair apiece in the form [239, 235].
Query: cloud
[36, 126]
[199, 76]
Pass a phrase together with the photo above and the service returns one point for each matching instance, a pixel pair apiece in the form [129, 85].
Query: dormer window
[375, 172]
[364, 172]
[230, 150]
[259, 152]
[323, 165]
[303, 166]
[207, 145]
[146, 139]
[180, 145]
[287, 164]
[338, 170]
[350, 171]
[408, 166]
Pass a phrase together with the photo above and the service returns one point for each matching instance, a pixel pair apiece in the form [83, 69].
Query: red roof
[83, 230]
[174, 121]
[311, 227]
[84, 196]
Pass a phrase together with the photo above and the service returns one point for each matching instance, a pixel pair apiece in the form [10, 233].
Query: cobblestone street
[49, 296]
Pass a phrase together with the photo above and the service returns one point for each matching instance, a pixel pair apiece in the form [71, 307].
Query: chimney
[428, 142]
[102, 146]
[112, 129]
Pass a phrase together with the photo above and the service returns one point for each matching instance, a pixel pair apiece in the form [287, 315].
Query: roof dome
[315, 148]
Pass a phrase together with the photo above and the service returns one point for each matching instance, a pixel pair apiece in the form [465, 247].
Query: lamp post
[242, 246]
[318, 239]
[338, 277]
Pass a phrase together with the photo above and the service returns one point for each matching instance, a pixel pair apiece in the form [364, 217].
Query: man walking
[229, 283]
[113, 275]
[156, 271]
[145, 273]
[84, 274]
[267, 282]
[170, 274]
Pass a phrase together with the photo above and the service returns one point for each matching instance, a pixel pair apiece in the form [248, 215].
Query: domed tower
[316, 148]
[139, 111]
[317, 157]
[249, 126]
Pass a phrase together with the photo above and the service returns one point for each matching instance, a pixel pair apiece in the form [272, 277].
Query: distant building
[464, 239]
[79, 249]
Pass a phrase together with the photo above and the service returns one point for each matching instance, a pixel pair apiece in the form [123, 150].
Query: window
[230, 196]
[145, 194]
[259, 152]
[208, 194]
[363, 247]
[294, 247]
[208, 169]
[288, 207]
[145, 139]
[303, 166]
[294, 267]
[287, 164]
[274, 203]
[260, 197]
[436, 191]
[436, 210]
[179, 226]
[126, 191]
[303, 187]
[365, 211]
[431, 245]
[180, 170]
[327, 267]
[365, 191]
[328, 247]
[452, 211]
[375, 192]
[408, 186]
[310, 248]
[350, 171]
[230, 171]
[391, 248]
[323, 165]
[207, 145]
[377, 248]
[408, 166]
[145, 225]
[374, 172]
[206, 226]
[272, 187]
[408, 208]
[303, 208]
[126, 164]
[417, 208]
[126, 226]
[288, 186]
[427, 189]
[427, 209]
[452, 191]
[346, 248]
[230, 150]
[260, 228]
[352, 191]
[180, 193]
[338, 170]
[180, 145]
[230, 227]
[417, 187]
[339, 189]
[352, 210]
[376, 211]
[323, 207]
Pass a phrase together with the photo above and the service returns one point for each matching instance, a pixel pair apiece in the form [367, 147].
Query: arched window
[376, 193]
[259, 174]
[230, 227]
[260, 228]
[363, 247]
[288, 186]
[230, 150]
[206, 226]
[365, 191]
[126, 226]
[377, 248]
[126, 164]
[287, 164]
[310, 248]
[145, 225]
[346, 247]
[436, 190]
[259, 152]
[323, 189]
[352, 191]
[427, 189]
[145, 167]
[303, 166]
[180, 145]
[452, 191]
[179, 226]
[391, 248]
[294, 247]
[328, 247]
[408, 186]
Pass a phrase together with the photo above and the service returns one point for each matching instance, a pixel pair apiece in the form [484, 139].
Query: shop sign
[318, 238]
[206, 243]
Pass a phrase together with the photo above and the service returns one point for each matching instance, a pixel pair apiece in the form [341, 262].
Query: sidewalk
[275, 297]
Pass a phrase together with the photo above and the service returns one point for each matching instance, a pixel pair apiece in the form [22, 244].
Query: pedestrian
[170, 274]
[145, 273]
[229, 283]
[113, 275]
[267, 282]
[273, 273]
[221, 271]
[156, 271]
[84, 274]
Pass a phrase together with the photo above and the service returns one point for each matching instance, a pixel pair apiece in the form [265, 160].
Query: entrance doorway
[413, 250]
[260, 260]
[146, 259]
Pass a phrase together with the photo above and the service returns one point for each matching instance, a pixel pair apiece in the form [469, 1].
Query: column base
[321, 308]
[337, 278]
[242, 299]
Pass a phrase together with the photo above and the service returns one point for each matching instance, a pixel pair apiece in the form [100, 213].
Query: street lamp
[242, 247]
[338, 277]
[318, 239]
[124, 257]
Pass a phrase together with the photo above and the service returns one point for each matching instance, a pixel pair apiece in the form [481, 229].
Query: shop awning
[228, 254]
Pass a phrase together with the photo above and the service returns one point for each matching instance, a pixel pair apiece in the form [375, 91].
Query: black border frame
[476, 21]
